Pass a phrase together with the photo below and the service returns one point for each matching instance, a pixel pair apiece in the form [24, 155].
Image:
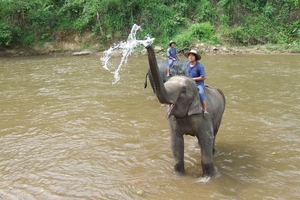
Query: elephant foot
[179, 168]
[208, 169]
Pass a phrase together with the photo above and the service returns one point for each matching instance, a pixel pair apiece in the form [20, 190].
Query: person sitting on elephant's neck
[197, 73]
[172, 56]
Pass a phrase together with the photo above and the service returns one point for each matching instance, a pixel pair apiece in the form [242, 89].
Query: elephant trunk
[160, 90]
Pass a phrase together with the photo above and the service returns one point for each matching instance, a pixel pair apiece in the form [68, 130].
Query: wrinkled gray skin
[179, 68]
[185, 115]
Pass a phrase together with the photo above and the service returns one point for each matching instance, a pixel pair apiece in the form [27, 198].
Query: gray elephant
[184, 111]
[179, 68]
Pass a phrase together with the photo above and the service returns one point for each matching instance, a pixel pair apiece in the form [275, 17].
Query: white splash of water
[127, 48]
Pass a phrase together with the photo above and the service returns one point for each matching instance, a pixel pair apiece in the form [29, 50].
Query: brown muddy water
[67, 132]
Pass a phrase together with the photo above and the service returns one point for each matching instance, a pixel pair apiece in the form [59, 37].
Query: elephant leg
[177, 145]
[213, 148]
[206, 145]
[208, 169]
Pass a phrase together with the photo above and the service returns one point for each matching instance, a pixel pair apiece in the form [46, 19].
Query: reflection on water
[67, 132]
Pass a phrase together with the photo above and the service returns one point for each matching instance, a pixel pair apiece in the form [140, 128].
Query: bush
[5, 34]
[237, 35]
[184, 39]
[203, 32]
[256, 30]
[23, 36]
[28, 39]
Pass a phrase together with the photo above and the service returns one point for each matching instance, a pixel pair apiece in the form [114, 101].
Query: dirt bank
[76, 48]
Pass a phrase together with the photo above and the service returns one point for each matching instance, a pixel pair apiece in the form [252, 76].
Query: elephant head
[184, 97]
[180, 93]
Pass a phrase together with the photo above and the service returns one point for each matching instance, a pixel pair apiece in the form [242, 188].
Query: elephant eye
[183, 90]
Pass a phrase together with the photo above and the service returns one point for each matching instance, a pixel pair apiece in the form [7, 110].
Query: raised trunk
[160, 90]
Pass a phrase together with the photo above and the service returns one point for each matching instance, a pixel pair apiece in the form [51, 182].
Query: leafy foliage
[5, 34]
[242, 22]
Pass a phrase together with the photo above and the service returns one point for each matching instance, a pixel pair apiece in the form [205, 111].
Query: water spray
[127, 48]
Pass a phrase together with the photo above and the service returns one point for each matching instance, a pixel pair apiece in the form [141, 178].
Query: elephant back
[179, 68]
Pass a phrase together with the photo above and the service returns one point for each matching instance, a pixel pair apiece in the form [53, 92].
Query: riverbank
[76, 49]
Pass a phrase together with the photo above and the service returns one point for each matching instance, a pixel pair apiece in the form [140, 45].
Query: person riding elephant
[172, 56]
[184, 112]
[197, 73]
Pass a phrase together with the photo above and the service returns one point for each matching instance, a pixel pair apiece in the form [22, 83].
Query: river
[67, 132]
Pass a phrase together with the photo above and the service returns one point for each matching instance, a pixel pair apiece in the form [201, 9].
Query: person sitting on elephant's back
[197, 72]
[172, 56]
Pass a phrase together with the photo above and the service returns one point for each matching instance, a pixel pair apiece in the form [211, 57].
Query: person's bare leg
[204, 106]
[168, 71]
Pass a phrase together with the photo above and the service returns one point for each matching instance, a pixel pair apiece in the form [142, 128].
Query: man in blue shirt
[197, 73]
[172, 56]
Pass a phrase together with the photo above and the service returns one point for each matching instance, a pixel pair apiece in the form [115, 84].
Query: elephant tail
[145, 84]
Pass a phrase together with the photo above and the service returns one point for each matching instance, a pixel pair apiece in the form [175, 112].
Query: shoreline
[205, 49]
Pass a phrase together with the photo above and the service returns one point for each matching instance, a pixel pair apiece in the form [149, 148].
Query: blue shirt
[172, 52]
[196, 71]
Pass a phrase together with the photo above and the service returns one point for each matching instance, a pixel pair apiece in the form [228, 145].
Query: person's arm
[168, 54]
[177, 55]
[200, 78]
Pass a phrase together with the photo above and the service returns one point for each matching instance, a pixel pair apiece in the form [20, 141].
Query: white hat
[198, 56]
[171, 42]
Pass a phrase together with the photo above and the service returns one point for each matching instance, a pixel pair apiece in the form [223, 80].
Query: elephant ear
[195, 107]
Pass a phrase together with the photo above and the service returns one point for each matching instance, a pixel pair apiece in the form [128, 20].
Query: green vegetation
[233, 22]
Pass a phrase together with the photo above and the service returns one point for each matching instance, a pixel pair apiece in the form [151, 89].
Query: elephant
[185, 115]
[179, 68]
